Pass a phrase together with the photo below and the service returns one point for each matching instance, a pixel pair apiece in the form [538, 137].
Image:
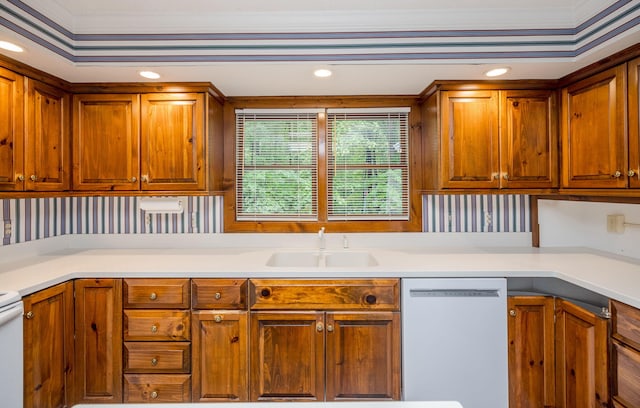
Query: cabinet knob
[154, 329]
[33, 177]
[371, 299]
[153, 296]
[505, 176]
[330, 328]
[512, 313]
[154, 394]
[29, 315]
[217, 318]
[265, 292]
[133, 179]
[319, 327]
[617, 174]
[631, 173]
[144, 178]
[218, 295]
[154, 361]
[495, 176]
[20, 177]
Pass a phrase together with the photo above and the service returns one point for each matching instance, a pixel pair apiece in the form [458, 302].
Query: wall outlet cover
[615, 223]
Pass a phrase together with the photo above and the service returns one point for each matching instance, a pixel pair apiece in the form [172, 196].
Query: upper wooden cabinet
[493, 139]
[148, 142]
[633, 171]
[594, 140]
[11, 131]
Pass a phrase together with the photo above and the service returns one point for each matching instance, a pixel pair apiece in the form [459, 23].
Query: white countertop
[29, 267]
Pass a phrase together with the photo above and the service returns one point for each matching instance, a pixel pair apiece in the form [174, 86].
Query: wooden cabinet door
[363, 356]
[47, 138]
[581, 357]
[469, 138]
[594, 142]
[220, 364]
[287, 356]
[98, 317]
[11, 131]
[528, 139]
[48, 347]
[531, 351]
[173, 143]
[633, 172]
[106, 142]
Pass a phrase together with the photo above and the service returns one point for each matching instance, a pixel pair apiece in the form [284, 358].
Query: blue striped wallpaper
[476, 213]
[39, 218]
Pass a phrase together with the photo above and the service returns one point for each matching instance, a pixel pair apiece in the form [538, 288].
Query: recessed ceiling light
[5, 45]
[149, 74]
[497, 71]
[322, 73]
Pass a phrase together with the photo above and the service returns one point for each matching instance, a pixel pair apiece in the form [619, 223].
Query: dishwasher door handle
[10, 314]
[464, 293]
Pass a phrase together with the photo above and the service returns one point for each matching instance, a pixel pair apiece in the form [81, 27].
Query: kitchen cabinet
[313, 340]
[593, 128]
[98, 327]
[156, 334]
[133, 142]
[220, 340]
[633, 171]
[581, 357]
[531, 337]
[11, 130]
[625, 355]
[495, 139]
[49, 347]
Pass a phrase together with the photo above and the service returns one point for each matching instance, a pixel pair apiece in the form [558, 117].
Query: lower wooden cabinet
[557, 354]
[581, 357]
[625, 355]
[49, 348]
[531, 351]
[98, 326]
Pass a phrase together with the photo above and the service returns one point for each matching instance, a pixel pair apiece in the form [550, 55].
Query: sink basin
[294, 259]
[353, 259]
[321, 259]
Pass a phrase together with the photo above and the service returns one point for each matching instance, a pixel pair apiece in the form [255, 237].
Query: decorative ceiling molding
[568, 43]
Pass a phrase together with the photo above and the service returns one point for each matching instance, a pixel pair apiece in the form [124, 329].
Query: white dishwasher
[10, 349]
[454, 341]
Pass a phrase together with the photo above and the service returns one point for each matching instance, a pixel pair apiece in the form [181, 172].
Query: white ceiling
[258, 47]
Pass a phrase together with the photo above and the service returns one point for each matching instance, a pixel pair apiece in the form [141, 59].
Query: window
[368, 164]
[359, 157]
[276, 165]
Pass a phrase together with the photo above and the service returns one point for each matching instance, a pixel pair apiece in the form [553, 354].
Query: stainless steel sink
[292, 259]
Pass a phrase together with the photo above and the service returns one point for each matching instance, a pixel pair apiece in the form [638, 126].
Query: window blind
[276, 164]
[368, 164]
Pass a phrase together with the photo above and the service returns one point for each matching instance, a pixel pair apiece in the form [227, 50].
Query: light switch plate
[7, 229]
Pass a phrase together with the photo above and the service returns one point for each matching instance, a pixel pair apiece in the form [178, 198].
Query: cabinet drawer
[147, 357]
[156, 294]
[157, 388]
[626, 374]
[219, 293]
[347, 294]
[625, 323]
[159, 325]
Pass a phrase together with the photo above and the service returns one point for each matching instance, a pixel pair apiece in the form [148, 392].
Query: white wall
[584, 224]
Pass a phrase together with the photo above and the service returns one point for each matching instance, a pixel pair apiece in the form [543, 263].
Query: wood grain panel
[156, 325]
[158, 357]
[625, 324]
[156, 293]
[11, 130]
[157, 388]
[625, 363]
[219, 293]
[633, 69]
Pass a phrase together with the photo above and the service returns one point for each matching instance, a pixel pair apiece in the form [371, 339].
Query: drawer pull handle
[512, 313]
[319, 327]
[33, 177]
[153, 296]
[330, 328]
[617, 174]
[20, 177]
[154, 394]
[370, 299]
[29, 315]
[217, 318]
[154, 361]
[154, 329]
[265, 292]
[133, 180]
[218, 295]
